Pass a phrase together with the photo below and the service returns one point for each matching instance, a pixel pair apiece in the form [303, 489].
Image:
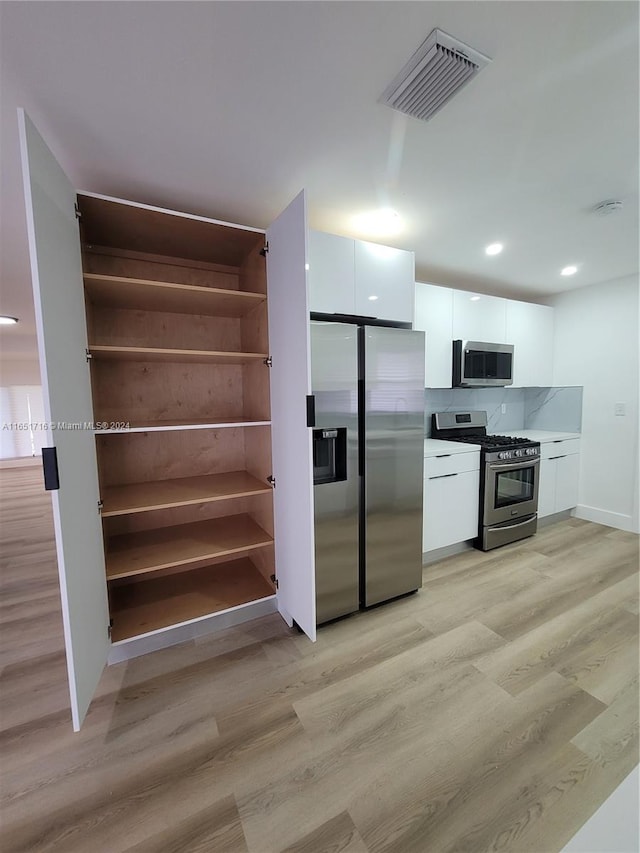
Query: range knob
[504, 454]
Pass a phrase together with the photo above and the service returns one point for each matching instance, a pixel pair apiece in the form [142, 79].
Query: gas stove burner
[506, 439]
[490, 440]
[471, 428]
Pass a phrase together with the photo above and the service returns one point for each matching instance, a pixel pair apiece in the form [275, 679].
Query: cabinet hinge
[100, 505]
[272, 481]
[274, 581]
[268, 361]
[77, 211]
[88, 355]
[265, 249]
[109, 628]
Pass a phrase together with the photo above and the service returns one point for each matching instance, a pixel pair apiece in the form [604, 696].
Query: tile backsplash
[524, 408]
[553, 408]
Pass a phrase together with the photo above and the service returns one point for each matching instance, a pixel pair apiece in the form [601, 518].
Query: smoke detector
[438, 69]
[606, 208]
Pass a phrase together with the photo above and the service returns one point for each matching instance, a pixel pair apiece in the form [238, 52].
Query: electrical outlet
[504, 408]
[620, 409]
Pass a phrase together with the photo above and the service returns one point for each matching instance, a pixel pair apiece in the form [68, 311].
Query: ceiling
[228, 109]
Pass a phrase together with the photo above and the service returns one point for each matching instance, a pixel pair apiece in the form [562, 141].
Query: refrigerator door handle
[362, 445]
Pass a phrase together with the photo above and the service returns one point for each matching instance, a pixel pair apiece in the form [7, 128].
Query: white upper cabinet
[434, 316]
[385, 282]
[478, 317]
[331, 276]
[530, 329]
[349, 276]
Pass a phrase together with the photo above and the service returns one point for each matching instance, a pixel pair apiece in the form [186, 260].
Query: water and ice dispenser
[329, 455]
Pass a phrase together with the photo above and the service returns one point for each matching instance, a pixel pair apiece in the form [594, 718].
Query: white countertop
[542, 435]
[438, 447]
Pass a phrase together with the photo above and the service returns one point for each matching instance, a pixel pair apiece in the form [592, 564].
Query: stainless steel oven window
[517, 506]
[512, 487]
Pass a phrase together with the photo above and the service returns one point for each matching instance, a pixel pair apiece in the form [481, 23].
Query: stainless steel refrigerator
[368, 440]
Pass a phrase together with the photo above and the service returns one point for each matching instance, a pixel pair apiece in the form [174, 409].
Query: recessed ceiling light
[474, 298]
[570, 270]
[378, 223]
[372, 298]
[494, 248]
[8, 321]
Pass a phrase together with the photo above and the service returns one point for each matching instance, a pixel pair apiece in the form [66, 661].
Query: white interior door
[56, 269]
[290, 436]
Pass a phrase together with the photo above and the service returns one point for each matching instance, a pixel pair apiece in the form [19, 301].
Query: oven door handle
[517, 524]
[512, 466]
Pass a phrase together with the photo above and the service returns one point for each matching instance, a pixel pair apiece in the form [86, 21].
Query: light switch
[620, 409]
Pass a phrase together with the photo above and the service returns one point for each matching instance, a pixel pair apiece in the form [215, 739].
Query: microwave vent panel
[439, 68]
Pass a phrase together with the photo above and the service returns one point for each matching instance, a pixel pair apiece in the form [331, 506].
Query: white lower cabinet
[451, 498]
[559, 476]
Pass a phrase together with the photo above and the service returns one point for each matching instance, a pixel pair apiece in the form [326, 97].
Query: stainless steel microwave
[477, 364]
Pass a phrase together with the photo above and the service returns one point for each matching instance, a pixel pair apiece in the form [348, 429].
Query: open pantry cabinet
[175, 384]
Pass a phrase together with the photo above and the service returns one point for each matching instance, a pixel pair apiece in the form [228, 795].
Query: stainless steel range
[509, 476]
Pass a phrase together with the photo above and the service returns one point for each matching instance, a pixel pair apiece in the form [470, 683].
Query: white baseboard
[610, 519]
[447, 551]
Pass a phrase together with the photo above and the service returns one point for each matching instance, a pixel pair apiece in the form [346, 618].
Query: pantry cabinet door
[56, 269]
[289, 344]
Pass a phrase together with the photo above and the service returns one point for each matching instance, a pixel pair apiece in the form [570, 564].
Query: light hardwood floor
[494, 710]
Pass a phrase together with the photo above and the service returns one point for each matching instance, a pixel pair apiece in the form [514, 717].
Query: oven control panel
[519, 453]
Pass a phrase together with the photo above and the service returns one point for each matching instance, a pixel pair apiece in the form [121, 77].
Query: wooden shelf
[188, 356]
[162, 494]
[156, 603]
[150, 550]
[142, 294]
[159, 426]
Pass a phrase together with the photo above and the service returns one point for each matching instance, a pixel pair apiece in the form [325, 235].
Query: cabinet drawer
[453, 463]
[559, 448]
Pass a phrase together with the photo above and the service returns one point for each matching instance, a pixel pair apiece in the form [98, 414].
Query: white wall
[19, 371]
[596, 346]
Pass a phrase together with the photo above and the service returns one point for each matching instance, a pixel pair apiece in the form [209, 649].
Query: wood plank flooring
[495, 710]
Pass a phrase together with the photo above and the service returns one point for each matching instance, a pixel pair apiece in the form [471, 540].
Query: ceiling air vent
[439, 68]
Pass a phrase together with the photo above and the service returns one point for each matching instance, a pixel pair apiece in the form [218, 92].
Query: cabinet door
[56, 269]
[450, 509]
[567, 474]
[547, 488]
[530, 330]
[290, 437]
[477, 317]
[385, 282]
[434, 316]
[332, 287]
